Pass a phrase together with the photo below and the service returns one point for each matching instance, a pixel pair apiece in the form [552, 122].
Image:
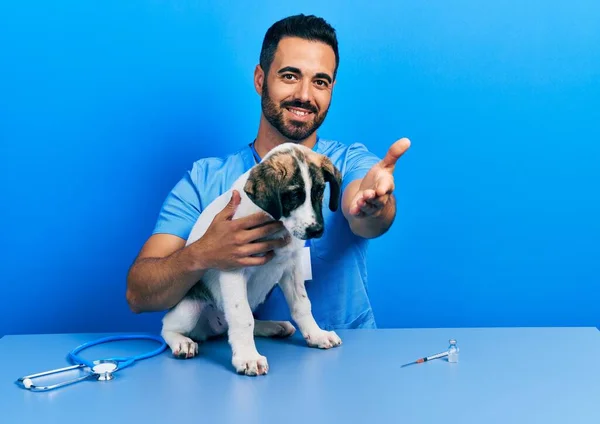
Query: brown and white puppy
[288, 184]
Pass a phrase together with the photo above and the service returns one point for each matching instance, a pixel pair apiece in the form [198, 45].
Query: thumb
[229, 209]
[395, 151]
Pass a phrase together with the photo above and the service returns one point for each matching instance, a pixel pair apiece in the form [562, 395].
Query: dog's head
[289, 184]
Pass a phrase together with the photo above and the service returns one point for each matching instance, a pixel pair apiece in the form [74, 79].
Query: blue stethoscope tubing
[122, 361]
[101, 369]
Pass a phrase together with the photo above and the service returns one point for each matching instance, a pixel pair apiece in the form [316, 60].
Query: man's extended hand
[376, 187]
[229, 244]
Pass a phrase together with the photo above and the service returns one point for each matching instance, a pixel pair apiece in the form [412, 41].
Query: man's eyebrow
[324, 76]
[299, 72]
[289, 69]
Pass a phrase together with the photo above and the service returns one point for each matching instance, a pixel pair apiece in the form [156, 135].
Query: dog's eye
[318, 190]
[293, 195]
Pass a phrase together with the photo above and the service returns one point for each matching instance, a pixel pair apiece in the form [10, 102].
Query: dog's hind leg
[273, 328]
[179, 323]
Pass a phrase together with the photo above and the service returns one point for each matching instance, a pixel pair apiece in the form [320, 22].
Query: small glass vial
[453, 351]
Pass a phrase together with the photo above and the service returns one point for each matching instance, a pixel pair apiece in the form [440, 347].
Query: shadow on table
[218, 351]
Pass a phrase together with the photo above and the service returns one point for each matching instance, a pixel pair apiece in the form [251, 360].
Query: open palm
[377, 186]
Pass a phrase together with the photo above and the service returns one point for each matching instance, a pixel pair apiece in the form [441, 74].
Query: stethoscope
[100, 369]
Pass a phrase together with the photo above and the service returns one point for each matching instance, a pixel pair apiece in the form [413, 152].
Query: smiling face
[296, 92]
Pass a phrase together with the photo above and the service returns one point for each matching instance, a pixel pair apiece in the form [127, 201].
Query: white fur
[238, 293]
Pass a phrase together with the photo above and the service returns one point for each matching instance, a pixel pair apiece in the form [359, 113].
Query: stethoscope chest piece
[104, 369]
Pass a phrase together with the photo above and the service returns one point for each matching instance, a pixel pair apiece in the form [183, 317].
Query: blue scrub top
[339, 289]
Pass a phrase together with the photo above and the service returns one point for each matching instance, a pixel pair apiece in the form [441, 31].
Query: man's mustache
[300, 105]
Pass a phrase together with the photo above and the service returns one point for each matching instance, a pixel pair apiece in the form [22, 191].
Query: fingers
[370, 209]
[378, 202]
[262, 231]
[367, 203]
[355, 205]
[371, 206]
[257, 260]
[361, 200]
[394, 152]
[253, 221]
[264, 246]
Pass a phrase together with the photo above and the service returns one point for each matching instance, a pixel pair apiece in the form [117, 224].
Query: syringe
[427, 358]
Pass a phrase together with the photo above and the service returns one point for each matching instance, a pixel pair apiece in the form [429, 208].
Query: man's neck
[268, 138]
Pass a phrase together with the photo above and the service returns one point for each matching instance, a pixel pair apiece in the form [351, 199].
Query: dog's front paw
[323, 339]
[250, 364]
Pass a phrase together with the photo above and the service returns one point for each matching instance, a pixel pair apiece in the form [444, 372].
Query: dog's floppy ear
[262, 187]
[333, 176]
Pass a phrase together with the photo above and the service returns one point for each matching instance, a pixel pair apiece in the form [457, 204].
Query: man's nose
[303, 93]
[314, 231]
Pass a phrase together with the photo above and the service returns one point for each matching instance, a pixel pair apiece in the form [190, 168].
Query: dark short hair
[308, 27]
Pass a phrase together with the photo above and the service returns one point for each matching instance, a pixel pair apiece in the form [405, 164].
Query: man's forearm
[156, 284]
[375, 226]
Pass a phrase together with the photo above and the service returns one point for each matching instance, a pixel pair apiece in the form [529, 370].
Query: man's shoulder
[210, 167]
[214, 163]
[331, 147]
[345, 155]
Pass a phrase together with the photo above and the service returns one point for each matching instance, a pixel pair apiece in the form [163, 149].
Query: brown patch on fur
[282, 164]
[299, 153]
[267, 180]
[272, 182]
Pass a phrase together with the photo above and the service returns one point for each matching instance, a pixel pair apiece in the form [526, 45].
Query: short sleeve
[181, 208]
[359, 160]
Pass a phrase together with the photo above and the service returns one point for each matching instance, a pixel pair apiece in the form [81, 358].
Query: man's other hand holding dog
[165, 270]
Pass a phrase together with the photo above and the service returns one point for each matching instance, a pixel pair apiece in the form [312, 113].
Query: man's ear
[259, 79]
[333, 176]
[263, 189]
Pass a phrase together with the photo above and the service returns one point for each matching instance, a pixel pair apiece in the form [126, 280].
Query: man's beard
[295, 130]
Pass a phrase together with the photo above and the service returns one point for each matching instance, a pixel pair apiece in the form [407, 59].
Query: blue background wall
[104, 105]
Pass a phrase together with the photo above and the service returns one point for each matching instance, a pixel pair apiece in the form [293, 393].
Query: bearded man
[295, 78]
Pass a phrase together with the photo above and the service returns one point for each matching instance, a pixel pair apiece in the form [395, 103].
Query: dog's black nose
[314, 231]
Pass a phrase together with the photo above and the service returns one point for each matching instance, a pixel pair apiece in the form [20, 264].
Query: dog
[288, 184]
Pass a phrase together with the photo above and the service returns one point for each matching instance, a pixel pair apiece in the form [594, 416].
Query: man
[295, 79]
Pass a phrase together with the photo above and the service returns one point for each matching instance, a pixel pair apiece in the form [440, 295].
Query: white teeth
[297, 112]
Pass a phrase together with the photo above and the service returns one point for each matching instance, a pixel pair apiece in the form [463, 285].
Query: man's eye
[289, 77]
